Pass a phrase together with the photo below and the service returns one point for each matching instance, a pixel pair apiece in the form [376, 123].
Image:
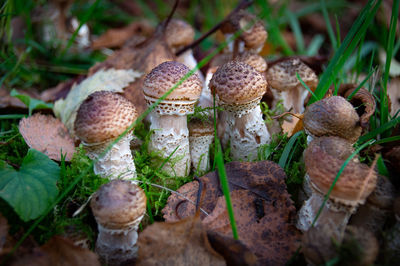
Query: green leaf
[32, 189]
[31, 103]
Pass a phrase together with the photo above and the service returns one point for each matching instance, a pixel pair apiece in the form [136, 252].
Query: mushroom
[373, 214]
[201, 136]
[333, 116]
[253, 35]
[179, 34]
[392, 239]
[284, 84]
[356, 182]
[101, 118]
[168, 119]
[239, 88]
[118, 208]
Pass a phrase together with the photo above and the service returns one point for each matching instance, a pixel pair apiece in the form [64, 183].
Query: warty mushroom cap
[199, 128]
[237, 83]
[103, 116]
[254, 33]
[162, 78]
[118, 204]
[356, 181]
[333, 116]
[282, 75]
[178, 33]
[254, 60]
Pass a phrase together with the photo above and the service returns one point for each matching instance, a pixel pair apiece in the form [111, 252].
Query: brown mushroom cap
[118, 204]
[254, 60]
[104, 116]
[282, 75]
[356, 181]
[165, 76]
[179, 33]
[333, 116]
[238, 83]
[254, 33]
[199, 128]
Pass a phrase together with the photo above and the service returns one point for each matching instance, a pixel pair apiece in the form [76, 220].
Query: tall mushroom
[168, 119]
[118, 207]
[101, 118]
[239, 88]
[356, 182]
[284, 84]
[333, 116]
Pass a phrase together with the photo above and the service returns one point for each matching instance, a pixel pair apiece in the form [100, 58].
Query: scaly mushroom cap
[333, 116]
[104, 116]
[162, 78]
[254, 33]
[178, 34]
[254, 60]
[238, 83]
[118, 204]
[282, 75]
[199, 128]
[323, 163]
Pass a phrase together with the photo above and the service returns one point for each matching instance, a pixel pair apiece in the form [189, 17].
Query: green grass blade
[374, 133]
[305, 86]
[337, 178]
[315, 44]
[328, 24]
[389, 139]
[16, 116]
[298, 35]
[287, 150]
[346, 48]
[361, 84]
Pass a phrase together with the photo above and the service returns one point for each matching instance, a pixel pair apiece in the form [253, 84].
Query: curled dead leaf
[178, 243]
[47, 135]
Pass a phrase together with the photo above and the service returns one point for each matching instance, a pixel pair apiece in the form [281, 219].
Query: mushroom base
[171, 135]
[199, 152]
[117, 162]
[246, 133]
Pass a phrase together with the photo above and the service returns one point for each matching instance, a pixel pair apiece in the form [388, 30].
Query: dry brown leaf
[179, 243]
[113, 38]
[59, 251]
[61, 90]
[263, 208]
[393, 91]
[292, 126]
[48, 135]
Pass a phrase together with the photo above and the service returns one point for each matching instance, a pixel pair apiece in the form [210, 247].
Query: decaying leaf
[178, 243]
[393, 91]
[394, 70]
[59, 251]
[294, 125]
[61, 90]
[263, 208]
[103, 80]
[32, 189]
[7, 101]
[47, 135]
[113, 38]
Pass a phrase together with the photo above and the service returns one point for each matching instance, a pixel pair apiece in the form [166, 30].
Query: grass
[20, 68]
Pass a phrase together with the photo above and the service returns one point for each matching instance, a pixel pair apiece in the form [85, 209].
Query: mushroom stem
[170, 133]
[117, 162]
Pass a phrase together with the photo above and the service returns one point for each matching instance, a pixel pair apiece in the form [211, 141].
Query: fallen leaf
[262, 206]
[393, 91]
[177, 243]
[32, 189]
[61, 90]
[103, 80]
[58, 251]
[292, 126]
[7, 101]
[113, 38]
[47, 135]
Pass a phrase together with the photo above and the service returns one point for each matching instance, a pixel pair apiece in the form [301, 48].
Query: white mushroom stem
[115, 246]
[331, 213]
[170, 133]
[231, 43]
[199, 152]
[291, 99]
[117, 162]
[188, 59]
[247, 130]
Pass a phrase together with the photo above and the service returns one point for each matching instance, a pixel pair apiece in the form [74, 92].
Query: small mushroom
[333, 116]
[168, 119]
[179, 34]
[239, 88]
[373, 214]
[284, 84]
[101, 118]
[118, 207]
[253, 36]
[352, 188]
[201, 136]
